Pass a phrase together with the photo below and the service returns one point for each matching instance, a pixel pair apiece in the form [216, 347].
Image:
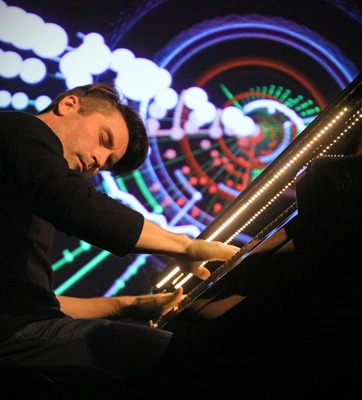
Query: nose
[100, 158]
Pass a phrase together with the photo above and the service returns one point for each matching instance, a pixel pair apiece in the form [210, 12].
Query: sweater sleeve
[33, 164]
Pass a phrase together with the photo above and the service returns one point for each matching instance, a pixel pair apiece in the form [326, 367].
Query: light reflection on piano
[264, 211]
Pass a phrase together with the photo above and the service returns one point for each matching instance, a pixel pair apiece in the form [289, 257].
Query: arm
[69, 202]
[189, 253]
[144, 307]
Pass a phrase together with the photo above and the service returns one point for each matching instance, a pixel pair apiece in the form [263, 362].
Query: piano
[266, 212]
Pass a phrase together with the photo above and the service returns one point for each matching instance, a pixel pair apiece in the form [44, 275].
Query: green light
[131, 271]
[271, 89]
[105, 186]
[285, 95]
[68, 256]
[83, 271]
[146, 193]
[59, 264]
[85, 246]
[120, 284]
[230, 96]
[120, 183]
[255, 172]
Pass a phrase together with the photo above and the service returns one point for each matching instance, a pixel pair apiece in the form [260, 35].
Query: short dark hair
[103, 98]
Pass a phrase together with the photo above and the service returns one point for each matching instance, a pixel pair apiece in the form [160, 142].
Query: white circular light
[121, 59]
[247, 126]
[78, 80]
[231, 117]
[156, 111]
[93, 39]
[3, 7]
[177, 133]
[69, 62]
[166, 98]
[95, 58]
[9, 22]
[32, 70]
[51, 42]
[5, 98]
[164, 77]
[215, 132]
[10, 64]
[27, 32]
[205, 112]
[141, 81]
[19, 101]
[194, 96]
[42, 102]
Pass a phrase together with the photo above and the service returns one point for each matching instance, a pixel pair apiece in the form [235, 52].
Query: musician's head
[97, 129]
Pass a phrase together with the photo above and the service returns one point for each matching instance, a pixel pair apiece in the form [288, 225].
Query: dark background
[154, 29]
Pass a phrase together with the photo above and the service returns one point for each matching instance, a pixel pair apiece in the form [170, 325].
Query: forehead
[114, 122]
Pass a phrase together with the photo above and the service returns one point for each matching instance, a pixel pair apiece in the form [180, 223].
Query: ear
[68, 104]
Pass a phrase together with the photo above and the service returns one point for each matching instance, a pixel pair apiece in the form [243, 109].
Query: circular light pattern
[266, 114]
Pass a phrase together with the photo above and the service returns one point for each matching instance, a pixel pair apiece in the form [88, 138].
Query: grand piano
[266, 211]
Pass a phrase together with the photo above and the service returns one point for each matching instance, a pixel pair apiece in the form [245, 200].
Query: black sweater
[38, 192]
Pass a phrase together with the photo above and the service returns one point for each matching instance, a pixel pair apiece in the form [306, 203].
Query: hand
[144, 307]
[147, 307]
[188, 253]
[200, 251]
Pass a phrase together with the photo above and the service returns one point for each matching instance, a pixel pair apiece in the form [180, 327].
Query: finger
[235, 248]
[202, 273]
[177, 294]
[230, 251]
[178, 291]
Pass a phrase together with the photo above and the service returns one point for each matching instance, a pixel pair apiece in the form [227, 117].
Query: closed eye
[106, 138]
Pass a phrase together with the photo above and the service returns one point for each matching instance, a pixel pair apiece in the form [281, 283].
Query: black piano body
[267, 212]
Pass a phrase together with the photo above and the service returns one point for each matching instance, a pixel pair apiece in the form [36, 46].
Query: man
[44, 163]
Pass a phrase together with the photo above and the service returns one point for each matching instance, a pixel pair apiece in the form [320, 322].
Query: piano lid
[270, 198]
